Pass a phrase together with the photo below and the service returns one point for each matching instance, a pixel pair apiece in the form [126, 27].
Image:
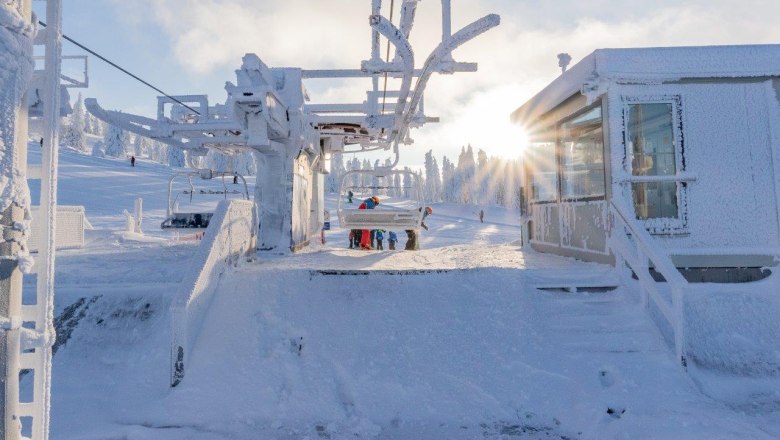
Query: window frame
[661, 225]
[559, 154]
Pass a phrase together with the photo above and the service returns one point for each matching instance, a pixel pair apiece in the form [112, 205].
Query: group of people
[373, 238]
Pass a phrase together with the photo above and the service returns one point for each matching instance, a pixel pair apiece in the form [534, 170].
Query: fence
[229, 237]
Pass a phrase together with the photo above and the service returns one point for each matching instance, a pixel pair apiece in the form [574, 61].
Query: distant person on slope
[349, 196]
[481, 216]
[132, 161]
[235, 179]
[428, 211]
[365, 235]
[391, 239]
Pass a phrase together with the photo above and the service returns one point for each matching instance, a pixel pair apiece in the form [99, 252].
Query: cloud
[516, 60]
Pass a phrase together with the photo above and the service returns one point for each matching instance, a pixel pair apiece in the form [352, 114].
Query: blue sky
[193, 47]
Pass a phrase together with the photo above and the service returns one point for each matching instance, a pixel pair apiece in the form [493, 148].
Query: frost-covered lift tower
[27, 329]
[266, 111]
[664, 159]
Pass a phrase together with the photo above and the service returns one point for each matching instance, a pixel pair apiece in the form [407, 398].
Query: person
[351, 238]
[411, 240]
[379, 237]
[235, 179]
[428, 211]
[373, 238]
[132, 161]
[358, 236]
[349, 196]
[391, 239]
[365, 235]
[481, 216]
[41, 142]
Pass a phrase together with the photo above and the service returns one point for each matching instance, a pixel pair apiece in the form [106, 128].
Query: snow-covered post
[16, 32]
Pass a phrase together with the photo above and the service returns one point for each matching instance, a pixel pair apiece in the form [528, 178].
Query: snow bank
[15, 72]
[231, 234]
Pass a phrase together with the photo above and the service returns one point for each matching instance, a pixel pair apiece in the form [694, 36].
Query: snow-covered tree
[117, 142]
[73, 134]
[99, 150]
[175, 157]
[141, 146]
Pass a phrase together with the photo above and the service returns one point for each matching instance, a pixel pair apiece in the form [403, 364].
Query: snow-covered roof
[652, 65]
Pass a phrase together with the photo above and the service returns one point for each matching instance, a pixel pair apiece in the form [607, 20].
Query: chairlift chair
[400, 207]
[196, 220]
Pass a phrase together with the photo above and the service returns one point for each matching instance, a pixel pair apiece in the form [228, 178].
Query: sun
[484, 123]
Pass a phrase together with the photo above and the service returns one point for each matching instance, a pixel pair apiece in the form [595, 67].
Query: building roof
[651, 65]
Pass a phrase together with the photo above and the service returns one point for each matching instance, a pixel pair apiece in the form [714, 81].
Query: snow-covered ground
[452, 342]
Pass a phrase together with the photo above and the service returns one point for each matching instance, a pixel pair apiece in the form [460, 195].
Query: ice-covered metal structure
[663, 159]
[267, 112]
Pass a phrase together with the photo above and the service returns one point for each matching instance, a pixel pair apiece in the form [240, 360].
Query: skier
[349, 196]
[132, 161]
[379, 237]
[392, 238]
[365, 235]
[235, 180]
[481, 216]
[411, 240]
[351, 238]
[428, 211]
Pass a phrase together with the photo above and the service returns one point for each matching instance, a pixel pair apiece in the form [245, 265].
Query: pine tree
[73, 134]
[175, 157]
[117, 142]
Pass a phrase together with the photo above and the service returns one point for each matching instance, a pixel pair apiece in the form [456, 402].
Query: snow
[15, 71]
[452, 342]
[595, 73]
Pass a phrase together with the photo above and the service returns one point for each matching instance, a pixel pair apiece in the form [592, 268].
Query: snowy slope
[451, 342]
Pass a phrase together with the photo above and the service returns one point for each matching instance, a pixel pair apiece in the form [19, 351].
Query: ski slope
[452, 342]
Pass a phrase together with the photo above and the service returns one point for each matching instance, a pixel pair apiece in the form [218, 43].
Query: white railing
[71, 223]
[229, 237]
[634, 246]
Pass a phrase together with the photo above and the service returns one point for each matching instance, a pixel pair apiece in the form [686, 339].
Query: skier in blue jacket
[380, 235]
[392, 239]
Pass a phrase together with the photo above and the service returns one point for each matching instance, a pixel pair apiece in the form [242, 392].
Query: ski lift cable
[124, 70]
[387, 59]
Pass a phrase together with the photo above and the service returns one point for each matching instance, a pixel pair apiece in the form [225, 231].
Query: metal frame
[205, 174]
[387, 218]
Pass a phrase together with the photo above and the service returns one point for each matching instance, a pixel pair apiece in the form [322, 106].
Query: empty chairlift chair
[400, 193]
[200, 219]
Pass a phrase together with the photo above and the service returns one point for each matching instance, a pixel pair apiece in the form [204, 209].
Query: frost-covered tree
[448, 180]
[141, 146]
[407, 183]
[73, 134]
[117, 142]
[337, 170]
[175, 157]
[432, 187]
[99, 150]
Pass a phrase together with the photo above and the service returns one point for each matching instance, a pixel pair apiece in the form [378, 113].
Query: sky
[194, 46]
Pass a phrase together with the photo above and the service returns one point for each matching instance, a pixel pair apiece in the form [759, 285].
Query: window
[582, 156]
[655, 156]
[543, 171]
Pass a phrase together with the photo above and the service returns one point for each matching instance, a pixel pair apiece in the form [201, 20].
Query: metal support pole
[14, 80]
[44, 309]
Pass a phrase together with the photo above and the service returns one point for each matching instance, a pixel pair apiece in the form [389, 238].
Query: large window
[543, 171]
[582, 156]
[655, 157]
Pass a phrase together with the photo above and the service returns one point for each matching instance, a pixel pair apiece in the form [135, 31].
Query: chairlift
[176, 219]
[400, 207]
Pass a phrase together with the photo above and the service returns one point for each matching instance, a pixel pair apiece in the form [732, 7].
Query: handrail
[648, 250]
